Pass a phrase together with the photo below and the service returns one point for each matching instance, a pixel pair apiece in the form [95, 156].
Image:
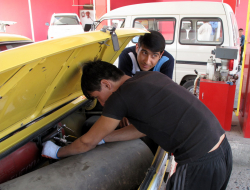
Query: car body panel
[47, 77]
[5, 37]
[9, 41]
[154, 178]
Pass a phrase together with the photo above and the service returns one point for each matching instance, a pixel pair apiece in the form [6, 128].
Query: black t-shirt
[129, 65]
[166, 112]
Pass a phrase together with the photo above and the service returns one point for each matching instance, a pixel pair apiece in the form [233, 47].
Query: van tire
[189, 85]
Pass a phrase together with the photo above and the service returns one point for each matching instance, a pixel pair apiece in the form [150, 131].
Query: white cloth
[50, 149]
[135, 65]
[204, 32]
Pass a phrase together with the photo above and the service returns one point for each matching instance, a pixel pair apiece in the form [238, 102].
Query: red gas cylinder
[19, 162]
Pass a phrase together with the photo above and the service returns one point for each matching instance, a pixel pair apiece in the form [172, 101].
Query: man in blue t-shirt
[147, 55]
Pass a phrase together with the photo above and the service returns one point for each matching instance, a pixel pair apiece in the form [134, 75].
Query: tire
[189, 85]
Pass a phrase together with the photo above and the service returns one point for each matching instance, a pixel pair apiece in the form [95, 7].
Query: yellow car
[9, 41]
[41, 99]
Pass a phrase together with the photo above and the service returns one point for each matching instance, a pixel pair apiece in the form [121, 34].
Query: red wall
[18, 11]
[42, 11]
[116, 4]
[101, 8]
[241, 14]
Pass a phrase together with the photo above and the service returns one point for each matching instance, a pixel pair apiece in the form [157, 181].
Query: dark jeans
[210, 172]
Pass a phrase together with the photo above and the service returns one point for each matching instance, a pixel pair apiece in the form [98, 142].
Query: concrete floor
[240, 177]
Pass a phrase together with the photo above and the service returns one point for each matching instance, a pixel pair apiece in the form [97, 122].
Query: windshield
[65, 20]
[117, 23]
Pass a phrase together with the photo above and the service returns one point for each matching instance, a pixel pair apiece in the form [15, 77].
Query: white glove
[101, 142]
[50, 150]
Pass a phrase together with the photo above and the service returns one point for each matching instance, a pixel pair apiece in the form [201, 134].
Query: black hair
[154, 41]
[94, 72]
[241, 29]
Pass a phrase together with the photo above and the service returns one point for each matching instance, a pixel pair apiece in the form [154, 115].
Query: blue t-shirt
[242, 40]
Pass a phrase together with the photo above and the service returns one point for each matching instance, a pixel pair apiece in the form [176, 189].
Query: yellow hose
[243, 60]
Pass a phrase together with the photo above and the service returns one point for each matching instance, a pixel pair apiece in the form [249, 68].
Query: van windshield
[117, 23]
[65, 20]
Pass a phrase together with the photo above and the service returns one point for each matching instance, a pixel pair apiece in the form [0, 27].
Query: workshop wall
[17, 11]
[42, 12]
[241, 14]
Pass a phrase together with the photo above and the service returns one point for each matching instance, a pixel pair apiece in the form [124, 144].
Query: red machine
[217, 87]
[218, 96]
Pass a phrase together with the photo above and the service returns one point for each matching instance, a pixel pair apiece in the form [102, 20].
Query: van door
[197, 37]
[165, 24]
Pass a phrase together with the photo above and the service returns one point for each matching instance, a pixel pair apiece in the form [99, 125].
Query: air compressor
[217, 86]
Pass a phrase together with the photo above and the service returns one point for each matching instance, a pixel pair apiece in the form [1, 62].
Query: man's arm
[127, 133]
[102, 127]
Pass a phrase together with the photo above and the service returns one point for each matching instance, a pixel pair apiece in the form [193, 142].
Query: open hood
[40, 77]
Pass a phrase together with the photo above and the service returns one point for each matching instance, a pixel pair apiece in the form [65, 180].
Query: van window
[235, 29]
[207, 31]
[166, 26]
[118, 23]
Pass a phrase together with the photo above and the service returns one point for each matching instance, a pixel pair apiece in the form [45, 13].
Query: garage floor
[240, 177]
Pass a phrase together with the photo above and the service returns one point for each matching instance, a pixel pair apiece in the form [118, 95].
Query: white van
[182, 23]
[64, 24]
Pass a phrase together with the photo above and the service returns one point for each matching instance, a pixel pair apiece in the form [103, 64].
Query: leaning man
[164, 111]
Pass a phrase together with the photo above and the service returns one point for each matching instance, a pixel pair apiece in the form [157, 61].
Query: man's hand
[124, 122]
[50, 150]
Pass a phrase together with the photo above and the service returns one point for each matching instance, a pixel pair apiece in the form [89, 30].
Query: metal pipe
[51, 135]
[195, 84]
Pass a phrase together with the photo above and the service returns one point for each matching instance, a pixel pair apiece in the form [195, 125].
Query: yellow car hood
[42, 76]
[5, 37]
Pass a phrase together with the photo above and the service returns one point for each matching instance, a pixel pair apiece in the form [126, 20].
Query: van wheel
[189, 85]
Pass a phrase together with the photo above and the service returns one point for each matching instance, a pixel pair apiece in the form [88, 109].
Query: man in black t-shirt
[147, 55]
[164, 111]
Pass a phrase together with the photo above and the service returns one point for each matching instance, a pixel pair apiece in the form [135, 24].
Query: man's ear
[106, 84]
[137, 48]
[161, 54]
